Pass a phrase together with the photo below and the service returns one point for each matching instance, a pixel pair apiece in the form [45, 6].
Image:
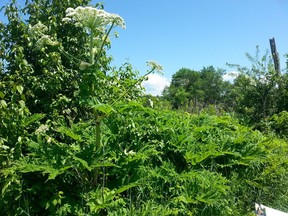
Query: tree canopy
[196, 90]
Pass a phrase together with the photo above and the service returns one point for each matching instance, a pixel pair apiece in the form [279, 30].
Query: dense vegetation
[255, 94]
[78, 137]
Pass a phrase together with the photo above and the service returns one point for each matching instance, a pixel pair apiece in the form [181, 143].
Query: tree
[255, 89]
[212, 85]
[43, 72]
[193, 90]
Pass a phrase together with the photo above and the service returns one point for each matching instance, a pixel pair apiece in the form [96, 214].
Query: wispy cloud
[155, 84]
[230, 76]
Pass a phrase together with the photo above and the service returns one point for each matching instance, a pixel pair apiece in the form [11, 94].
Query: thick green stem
[91, 48]
[104, 41]
[76, 61]
[97, 117]
[97, 145]
[134, 84]
[98, 134]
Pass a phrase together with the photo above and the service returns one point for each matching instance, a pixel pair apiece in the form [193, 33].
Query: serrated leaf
[55, 173]
[29, 120]
[130, 105]
[25, 168]
[126, 187]
[104, 108]
[68, 132]
[83, 162]
[33, 145]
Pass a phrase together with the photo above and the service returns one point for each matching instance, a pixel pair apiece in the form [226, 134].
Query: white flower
[129, 153]
[38, 32]
[69, 10]
[118, 20]
[66, 19]
[46, 40]
[92, 18]
[42, 129]
[38, 29]
[155, 66]
[84, 65]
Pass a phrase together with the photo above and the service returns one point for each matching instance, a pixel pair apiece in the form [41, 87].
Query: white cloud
[230, 76]
[155, 84]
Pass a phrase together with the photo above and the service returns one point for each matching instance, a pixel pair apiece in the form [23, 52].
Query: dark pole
[275, 56]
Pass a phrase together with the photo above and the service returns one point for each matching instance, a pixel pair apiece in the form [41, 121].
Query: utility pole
[275, 56]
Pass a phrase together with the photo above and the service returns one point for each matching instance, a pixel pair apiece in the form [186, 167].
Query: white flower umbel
[155, 66]
[38, 30]
[93, 19]
[42, 129]
[46, 40]
[39, 33]
[97, 23]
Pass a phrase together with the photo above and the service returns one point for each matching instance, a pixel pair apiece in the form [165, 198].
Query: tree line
[254, 94]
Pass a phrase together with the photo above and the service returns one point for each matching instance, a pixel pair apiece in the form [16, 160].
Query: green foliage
[256, 89]
[256, 93]
[174, 163]
[211, 145]
[57, 159]
[195, 90]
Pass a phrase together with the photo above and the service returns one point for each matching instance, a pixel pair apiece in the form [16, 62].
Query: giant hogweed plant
[98, 25]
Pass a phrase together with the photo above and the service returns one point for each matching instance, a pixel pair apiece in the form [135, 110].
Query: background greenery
[207, 147]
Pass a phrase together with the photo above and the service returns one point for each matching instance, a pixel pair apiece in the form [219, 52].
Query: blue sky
[196, 33]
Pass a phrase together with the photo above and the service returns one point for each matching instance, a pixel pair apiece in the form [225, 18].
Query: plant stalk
[98, 133]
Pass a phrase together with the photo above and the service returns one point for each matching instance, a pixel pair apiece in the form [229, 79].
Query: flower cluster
[38, 31]
[93, 18]
[46, 40]
[129, 153]
[84, 65]
[155, 66]
[42, 129]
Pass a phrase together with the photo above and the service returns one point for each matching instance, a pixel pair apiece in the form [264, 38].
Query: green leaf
[33, 145]
[104, 108]
[54, 173]
[3, 103]
[194, 158]
[46, 169]
[68, 132]
[54, 202]
[26, 168]
[126, 187]
[83, 162]
[104, 164]
[2, 94]
[131, 105]
[29, 120]
[19, 89]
